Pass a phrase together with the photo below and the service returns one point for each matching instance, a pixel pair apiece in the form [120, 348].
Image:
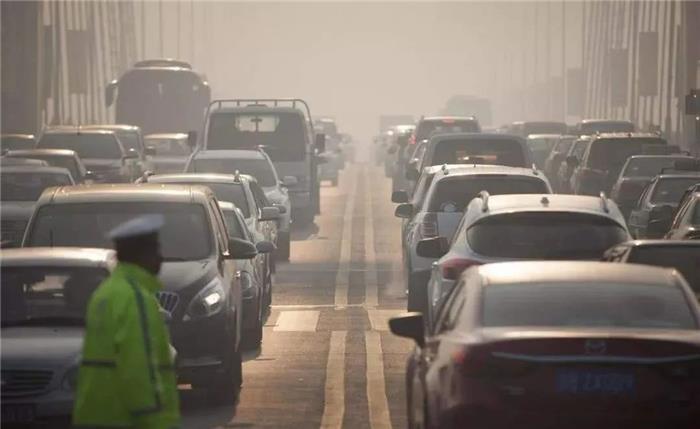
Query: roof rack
[604, 202]
[237, 176]
[444, 169]
[534, 169]
[484, 195]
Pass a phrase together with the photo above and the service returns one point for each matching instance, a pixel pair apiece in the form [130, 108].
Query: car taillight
[480, 363]
[452, 268]
[429, 226]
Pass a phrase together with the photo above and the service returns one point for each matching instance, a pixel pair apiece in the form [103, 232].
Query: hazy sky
[356, 61]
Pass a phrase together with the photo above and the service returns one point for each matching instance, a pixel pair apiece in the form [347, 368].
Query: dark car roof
[571, 272]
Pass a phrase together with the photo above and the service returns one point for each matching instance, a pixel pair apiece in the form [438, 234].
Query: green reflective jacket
[126, 377]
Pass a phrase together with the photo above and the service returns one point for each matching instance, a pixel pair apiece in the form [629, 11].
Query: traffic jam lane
[327, 358]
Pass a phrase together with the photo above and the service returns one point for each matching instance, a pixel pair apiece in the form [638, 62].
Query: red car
[558, 345]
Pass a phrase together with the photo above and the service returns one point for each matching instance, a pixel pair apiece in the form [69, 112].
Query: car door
[639, 217]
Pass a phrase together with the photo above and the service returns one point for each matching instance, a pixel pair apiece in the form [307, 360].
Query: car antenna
[604, 202]
[484, 195]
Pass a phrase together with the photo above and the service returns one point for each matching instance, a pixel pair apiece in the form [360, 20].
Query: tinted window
[282, 134]
[607, 127]
[231, 192]
[130, 140]
[57, 161]
[446, 126]
[599, 304]
[85, 145]
[29, 186]
[46, 295]
[235, 229]
[611, 154]
[502, 152]
[453, 194]
[686, 259]
[186, 235]
[261, 169]
[169, 147]
[670, 191]
[647, 167]
[545, 235]
[563, 145]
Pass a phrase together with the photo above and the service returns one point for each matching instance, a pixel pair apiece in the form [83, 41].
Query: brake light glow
[453, 268]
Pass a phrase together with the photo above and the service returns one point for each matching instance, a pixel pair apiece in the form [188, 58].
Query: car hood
[16, 210]
[176, 276]
[41, 347]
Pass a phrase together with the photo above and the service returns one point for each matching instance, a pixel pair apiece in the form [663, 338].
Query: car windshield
[540, 148]
[544, 128]
[648, 166]
[261, 169]
[611, 154]
[670, 190]
[96, 146]
[607, 127]
[47, 296]
[474, 151]
[453, 194]
[545, 235]
[235, 229]
[169, 147]
[186, 235]
[232, 192]
[686, 259]
[28, 186]
[428, 128]
[283, 134]
[587, 305]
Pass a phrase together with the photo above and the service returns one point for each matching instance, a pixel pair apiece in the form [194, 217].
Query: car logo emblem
[595, 347]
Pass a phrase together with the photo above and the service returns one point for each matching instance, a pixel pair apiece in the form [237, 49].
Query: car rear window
[564, 145]
[427, 128]
[15, 186]
[590, 304]
[611, 154]
[686, 259]
[473, 151]
[670, 190]
[648, 167]
[261, 169]
[231, 192]
[607, 127]
[453, 194]
[545, 235]
[96, 146]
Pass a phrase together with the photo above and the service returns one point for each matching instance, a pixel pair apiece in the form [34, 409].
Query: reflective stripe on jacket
[126, 377]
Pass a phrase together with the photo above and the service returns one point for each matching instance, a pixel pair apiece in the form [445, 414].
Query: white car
[523, 227]
[439, 213]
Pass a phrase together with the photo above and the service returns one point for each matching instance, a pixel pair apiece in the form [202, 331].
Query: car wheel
[253, 338]
[283, 247]
[223, 387]
[417, 293]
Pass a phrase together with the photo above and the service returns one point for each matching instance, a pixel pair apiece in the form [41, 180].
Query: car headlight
[208, 302]
[247, 283]
[70, 379]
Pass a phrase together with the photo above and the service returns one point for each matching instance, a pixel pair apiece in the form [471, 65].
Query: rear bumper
[55, 404]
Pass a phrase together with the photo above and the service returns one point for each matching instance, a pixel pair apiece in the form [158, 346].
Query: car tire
[417, 293]
[283, 247]
[224, 387]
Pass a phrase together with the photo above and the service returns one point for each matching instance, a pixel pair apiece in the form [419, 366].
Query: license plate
[12, 413]
[592, 382]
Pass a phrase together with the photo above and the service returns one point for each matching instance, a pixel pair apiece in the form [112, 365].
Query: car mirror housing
[241, 249]
[404, 211]
[265, 246]
[290, 181]
[281, 208]
[399, 197]
[435, 247]
[269, 214]
[409, 325]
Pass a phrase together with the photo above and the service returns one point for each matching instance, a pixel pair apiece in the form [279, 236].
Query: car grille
[13, 230]
[18, 382]
[167, 300]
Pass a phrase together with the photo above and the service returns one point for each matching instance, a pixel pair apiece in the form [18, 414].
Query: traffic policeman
[127, 378]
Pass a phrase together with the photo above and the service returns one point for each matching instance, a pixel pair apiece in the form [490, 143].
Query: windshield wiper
[46, 321]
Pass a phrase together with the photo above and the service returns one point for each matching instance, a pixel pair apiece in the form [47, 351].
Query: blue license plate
[595, 382]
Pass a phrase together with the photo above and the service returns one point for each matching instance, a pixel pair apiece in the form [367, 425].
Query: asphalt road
[327, 359]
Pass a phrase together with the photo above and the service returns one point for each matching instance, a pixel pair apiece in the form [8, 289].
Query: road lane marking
[334, 394]
[342, 279]
[379, 417]
[371, 277]
[297, 321]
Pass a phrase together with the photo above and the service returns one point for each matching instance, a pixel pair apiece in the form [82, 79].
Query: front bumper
[56, 404]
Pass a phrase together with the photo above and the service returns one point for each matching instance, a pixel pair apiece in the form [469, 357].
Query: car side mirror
[192, 139]
[572, 161]
[289, 181]
[269, 214]
[149, 150]
[89, 175]
[265, 246]
[412, 173]
[399, 197]
[110, 92]
[320, 142]
[281, 208]
[409, 325]
[241, 249]
[435, 247]
[404, 211]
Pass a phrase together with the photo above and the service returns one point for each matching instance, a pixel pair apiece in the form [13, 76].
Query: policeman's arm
[137, 373]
